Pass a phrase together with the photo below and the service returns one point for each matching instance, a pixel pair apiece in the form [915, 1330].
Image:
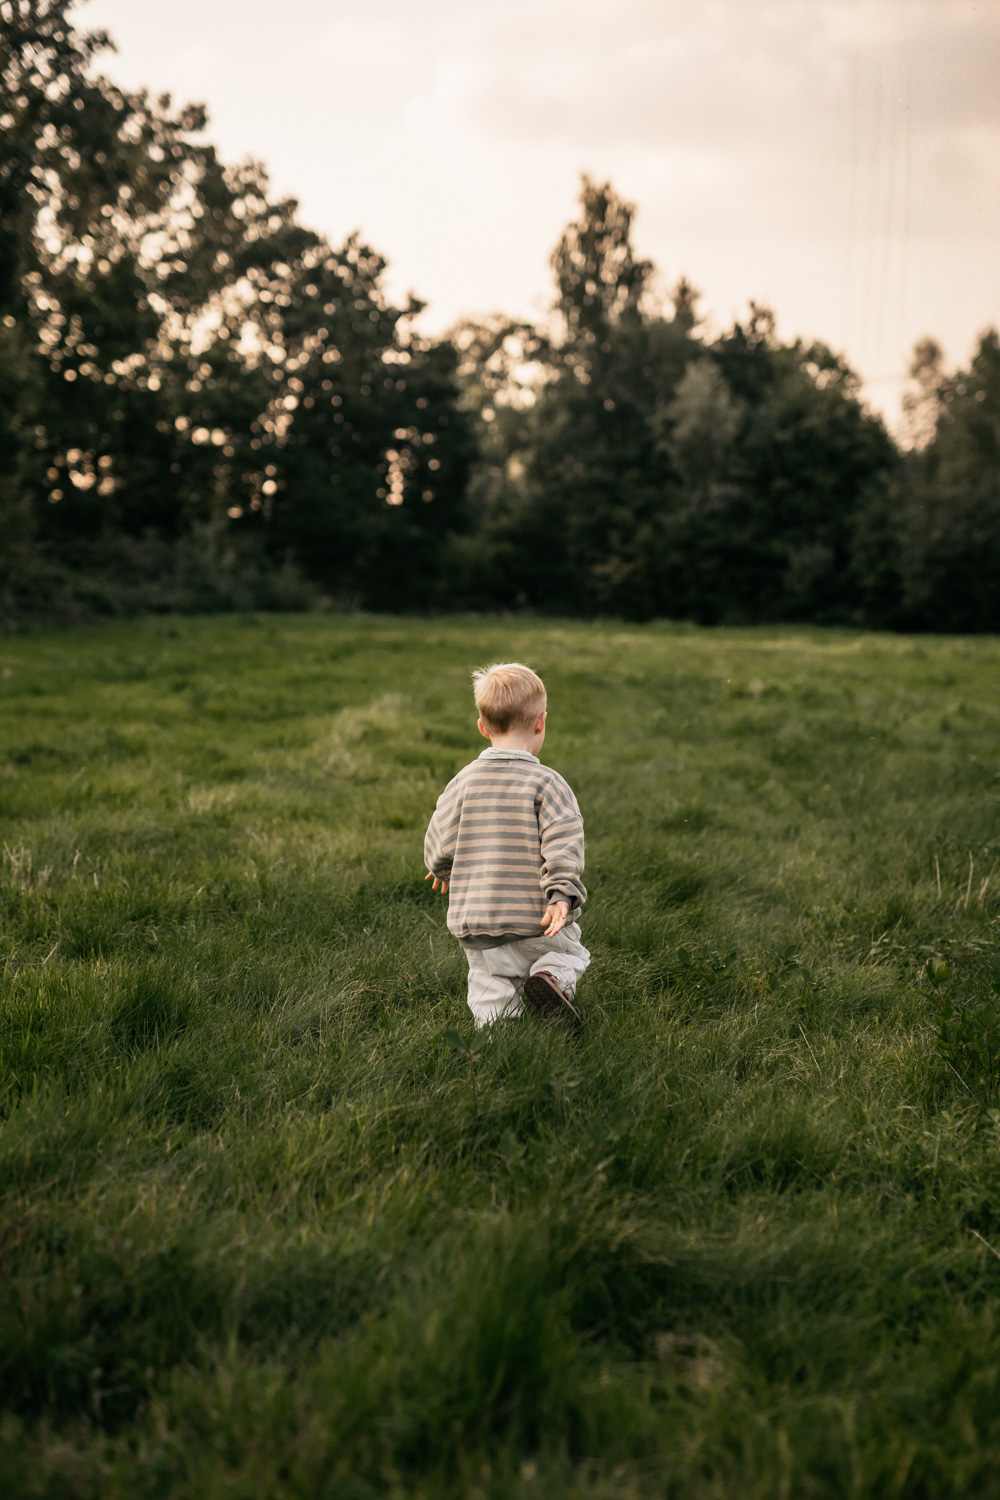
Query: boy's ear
[540, 721]
[483, 730]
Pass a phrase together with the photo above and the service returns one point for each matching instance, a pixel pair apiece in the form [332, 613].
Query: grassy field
[258, 1239]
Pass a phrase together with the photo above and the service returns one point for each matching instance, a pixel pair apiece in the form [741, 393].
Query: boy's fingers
[556, 917]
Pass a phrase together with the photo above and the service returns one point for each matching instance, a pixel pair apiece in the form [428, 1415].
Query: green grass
[742, 1239]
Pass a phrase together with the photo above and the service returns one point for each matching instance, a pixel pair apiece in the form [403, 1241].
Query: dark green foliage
[667, 476]
[173, 345]
[363, 419]
[583, 531]
[259, 1235]
[648, 472]
[948, 507]
[205, 406]
[804, 460]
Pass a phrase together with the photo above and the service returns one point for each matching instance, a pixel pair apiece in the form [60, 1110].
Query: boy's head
[510, 698]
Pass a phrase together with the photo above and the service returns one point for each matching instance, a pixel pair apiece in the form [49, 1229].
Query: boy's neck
[529, 743]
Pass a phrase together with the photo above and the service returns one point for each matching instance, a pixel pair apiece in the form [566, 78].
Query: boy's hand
[554, 917]
[438, 880]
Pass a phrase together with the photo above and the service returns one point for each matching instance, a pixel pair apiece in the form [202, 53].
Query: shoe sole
[544, 997]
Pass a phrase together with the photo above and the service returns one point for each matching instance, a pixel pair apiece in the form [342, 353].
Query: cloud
[839, 157]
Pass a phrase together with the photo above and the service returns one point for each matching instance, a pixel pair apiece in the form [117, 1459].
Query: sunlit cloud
[838, 158]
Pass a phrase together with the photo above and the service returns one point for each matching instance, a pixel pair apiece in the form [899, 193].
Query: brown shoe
[542, 992]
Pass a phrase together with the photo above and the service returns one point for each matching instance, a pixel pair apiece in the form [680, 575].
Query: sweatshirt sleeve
[560, 830]
[442, 833]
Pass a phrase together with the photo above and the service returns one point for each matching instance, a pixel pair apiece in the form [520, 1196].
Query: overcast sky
[837, 159]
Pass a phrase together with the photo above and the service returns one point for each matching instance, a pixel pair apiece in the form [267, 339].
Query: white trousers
[496, 975]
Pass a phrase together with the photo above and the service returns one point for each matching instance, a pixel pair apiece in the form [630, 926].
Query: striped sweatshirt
[508, 834]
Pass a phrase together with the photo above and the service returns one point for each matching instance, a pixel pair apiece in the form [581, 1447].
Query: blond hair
[509, 695]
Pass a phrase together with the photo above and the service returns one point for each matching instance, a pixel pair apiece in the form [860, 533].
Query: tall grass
[256, 1237]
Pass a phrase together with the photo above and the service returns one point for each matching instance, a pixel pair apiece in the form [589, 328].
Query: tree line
[204, 404]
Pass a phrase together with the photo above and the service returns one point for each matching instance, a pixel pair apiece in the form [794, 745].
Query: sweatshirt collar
[492, 754]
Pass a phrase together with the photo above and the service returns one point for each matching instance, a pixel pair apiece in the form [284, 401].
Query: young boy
[507, 837]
